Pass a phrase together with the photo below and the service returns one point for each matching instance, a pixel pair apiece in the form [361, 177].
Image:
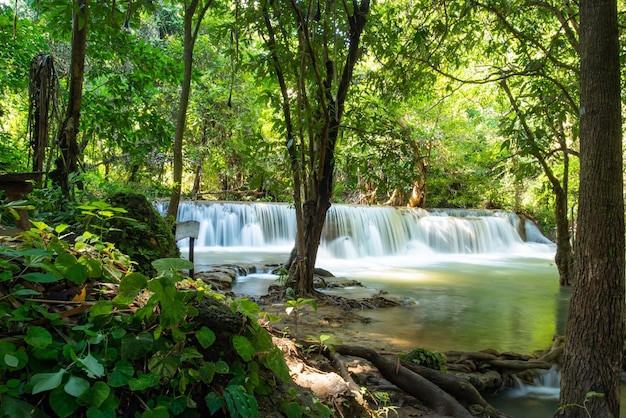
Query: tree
[540, 80]
[592, 361]
[195, 9]
[313, 51]
[67, 163]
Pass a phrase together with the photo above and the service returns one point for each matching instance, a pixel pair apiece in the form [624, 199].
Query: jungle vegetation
[427, 103]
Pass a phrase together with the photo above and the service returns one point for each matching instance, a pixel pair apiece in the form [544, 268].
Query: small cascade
[544, 386]
[361, 231]
[530, 400]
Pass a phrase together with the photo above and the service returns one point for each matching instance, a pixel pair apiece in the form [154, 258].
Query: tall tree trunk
[564, 255]
[564, 258]
[67, 163]
[191, 34]
[311, 144]
[592, 362]
[181, 117]
[42, 104]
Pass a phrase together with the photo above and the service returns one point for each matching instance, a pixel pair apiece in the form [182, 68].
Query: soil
[317, 374]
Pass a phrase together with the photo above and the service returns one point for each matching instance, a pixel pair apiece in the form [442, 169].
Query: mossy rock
[147, 238]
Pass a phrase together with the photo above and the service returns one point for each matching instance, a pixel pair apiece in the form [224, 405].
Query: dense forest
[464, 105]
[469, 104]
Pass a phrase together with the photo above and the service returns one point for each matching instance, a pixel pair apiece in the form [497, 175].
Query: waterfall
[360, 231]
[544, 386]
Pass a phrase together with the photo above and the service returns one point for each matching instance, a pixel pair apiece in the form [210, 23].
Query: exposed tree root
[412, 383]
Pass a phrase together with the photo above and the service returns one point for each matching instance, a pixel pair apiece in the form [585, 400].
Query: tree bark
[564, 257]
[190, 35]
[42, 104]
[592, 361]
[67, 163]
[313, 131]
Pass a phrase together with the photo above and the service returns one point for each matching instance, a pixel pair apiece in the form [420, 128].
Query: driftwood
[412, 383]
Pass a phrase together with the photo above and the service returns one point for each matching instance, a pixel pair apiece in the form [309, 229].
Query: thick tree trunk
[67, 163]
[592, 362]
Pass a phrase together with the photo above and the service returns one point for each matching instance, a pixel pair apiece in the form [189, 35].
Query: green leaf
[243, 347]
[25, 292]
[60, 228]
[158, 412]
[173, 310]
[143, 381]
[222, 367]
[106, 409]
[130, 287]
[37, 277]
[15, 408]
[121, 374]
[100, 392]
[76, 386]
[136, 346]
[38, 337]
[94, 267]
[275, 361]
[163, 264]
[133, 283]
[247, 307]
[77, 274]
[292, 410]
[164, 366]
[102, 307]
[207, 372]
[206, 337]
[214, 402]
[92, 366]
[11, 361]
[64, 262]
[46, 381]
[240, 404]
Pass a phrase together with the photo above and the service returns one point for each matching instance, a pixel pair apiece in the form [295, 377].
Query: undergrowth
[84, 334]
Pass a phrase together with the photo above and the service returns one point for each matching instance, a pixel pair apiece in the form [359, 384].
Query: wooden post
[188, 229]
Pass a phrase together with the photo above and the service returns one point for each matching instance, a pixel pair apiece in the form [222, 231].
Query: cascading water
[539, 398]
[478, 279]
[357, 231]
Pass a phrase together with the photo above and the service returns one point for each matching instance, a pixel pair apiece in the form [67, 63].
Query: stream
[469, 280]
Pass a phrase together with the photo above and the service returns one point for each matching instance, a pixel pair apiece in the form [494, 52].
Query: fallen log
[412, 383]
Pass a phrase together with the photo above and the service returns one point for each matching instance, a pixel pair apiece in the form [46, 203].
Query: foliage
[427, 358]
[295, 305]
[588, 397]
[143, 234]
[144, 349]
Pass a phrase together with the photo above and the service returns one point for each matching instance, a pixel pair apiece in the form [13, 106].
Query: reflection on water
[469, 303]
[508, 303]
